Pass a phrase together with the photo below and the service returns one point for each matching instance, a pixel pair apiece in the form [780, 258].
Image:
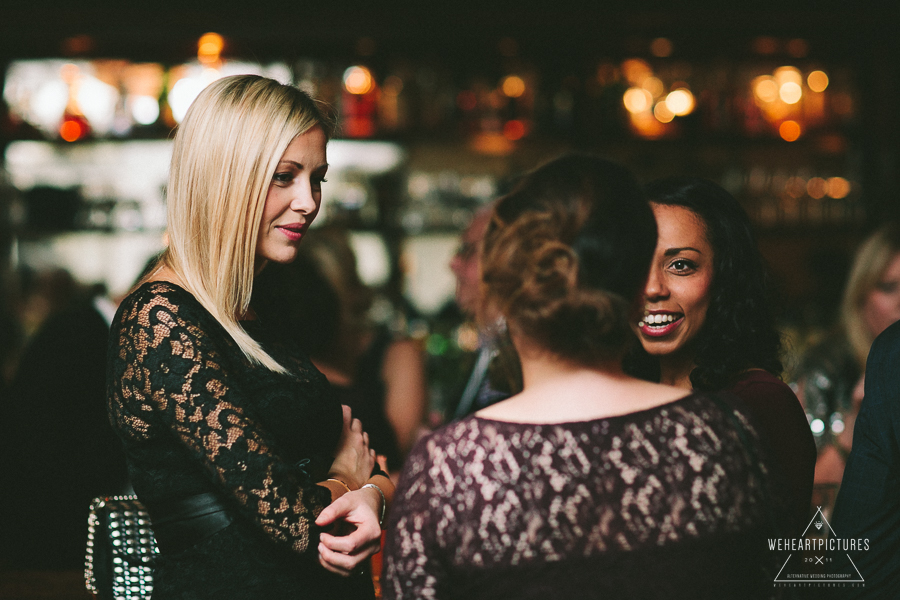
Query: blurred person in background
[58, 450]
[707, 325]
[380, 376]
[584, 484]
[479, 382]
[830, 374]
[235, 443]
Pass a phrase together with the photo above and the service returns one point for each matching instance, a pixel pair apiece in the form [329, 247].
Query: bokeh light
[358, 80]
[790, 92]
[71, 130]
[637, 100]
[816, 187]
[765, 88]
[209, 48]
[654, 86]
[788, 74]
[636, 70]
[817, 81]
[789, 131]
[838, 187]
[680, 102]
[144, 109]
[514, 130]
[513, 86]
[662, 113]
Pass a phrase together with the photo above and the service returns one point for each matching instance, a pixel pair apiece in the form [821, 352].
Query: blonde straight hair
[225, 154]
[869, 264]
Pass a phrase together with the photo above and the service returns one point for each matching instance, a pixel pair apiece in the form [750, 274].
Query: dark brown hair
[567, 254]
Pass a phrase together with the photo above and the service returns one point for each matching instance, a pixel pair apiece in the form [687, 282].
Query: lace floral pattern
[182, 395]
[512, 506]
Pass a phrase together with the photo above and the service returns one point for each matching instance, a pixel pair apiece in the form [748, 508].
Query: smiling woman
[707, 323]
[235, 443]
[293, 199]
[678, 290]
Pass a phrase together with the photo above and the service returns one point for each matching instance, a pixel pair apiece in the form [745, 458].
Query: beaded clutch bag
[120, 549]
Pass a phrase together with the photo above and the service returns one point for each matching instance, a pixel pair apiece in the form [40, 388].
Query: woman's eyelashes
[887, 287]
[682, 266]
[283, 177]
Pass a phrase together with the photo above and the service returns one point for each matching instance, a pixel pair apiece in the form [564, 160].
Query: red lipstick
[293, 232]
[670, 322]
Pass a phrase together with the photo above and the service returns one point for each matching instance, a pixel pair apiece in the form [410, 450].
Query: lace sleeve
[168, 375]
[411, 567]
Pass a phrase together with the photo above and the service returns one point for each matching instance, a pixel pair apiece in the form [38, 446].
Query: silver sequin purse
[121, 549]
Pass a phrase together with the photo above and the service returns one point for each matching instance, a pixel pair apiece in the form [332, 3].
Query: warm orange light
[514, 130]
[816, 188]
[647, 126]
[637, 100]
[662, 113]
[661, 47]
[654, 86]
[765, 88]
[358, 80]
[513, 86]
[636, 70]
[838, 187]
[788, 73]
[680, 102]
[790, 92]
[492, 143]
[817, 81]
[209, 48]
[70, 130]
[789, 131]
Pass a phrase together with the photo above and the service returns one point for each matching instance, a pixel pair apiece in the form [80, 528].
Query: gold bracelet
[340, 482]
[383, 502]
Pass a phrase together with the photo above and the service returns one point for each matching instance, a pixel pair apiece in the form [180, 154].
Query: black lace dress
[662, 503]
[196, 417]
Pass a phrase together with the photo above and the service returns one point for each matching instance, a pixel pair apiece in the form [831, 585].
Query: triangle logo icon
[816, 557]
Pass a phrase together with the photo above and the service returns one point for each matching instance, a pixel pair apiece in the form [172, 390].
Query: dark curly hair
[566, 256]
[739, 330]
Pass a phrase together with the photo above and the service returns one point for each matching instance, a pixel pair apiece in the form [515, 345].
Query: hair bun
[533, 275]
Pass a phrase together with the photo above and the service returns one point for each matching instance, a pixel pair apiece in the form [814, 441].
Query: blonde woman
[234, 443]
[830, 374]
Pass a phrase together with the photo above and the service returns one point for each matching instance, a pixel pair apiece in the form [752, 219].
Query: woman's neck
[557, 390]
[542, 369]
[676, 370]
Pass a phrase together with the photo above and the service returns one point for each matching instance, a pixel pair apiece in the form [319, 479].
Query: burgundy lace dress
[196, 417]
[662, 503]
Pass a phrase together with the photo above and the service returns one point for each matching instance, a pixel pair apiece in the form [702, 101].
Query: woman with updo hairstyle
[708, 325]
[585, 484]
[258, 483]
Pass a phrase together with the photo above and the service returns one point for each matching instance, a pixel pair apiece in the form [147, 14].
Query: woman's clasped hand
[353, 518]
